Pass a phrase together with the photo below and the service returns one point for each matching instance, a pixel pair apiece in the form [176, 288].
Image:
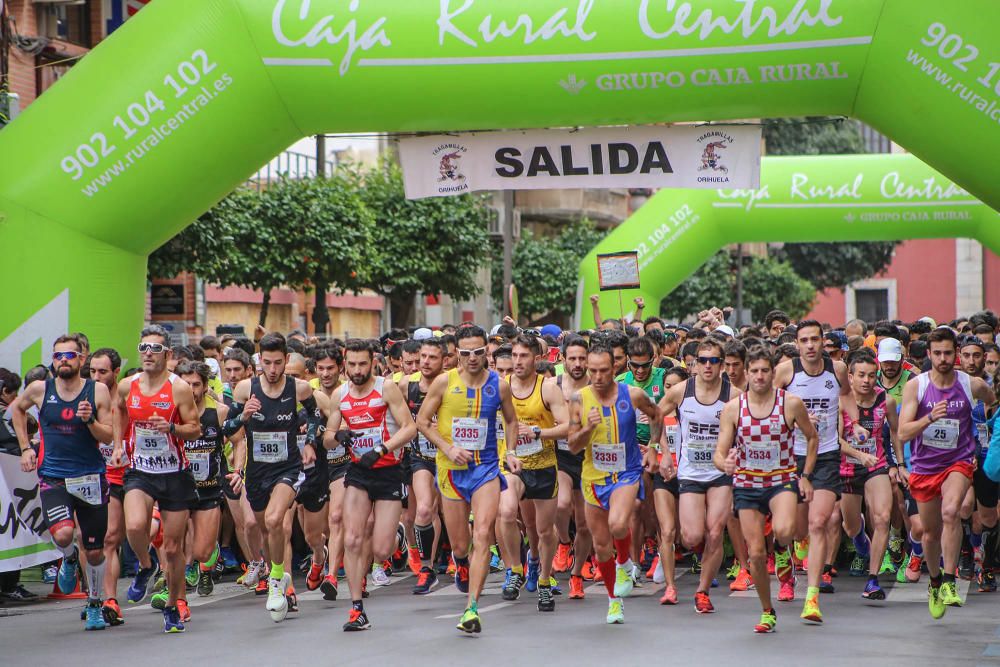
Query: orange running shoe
[451, 565]
[563, 558]
[576, 587]
[743, 581]
[588, 570]
[183, 610]
[703, 604]
[669, 596]
[261, 587]
[786, 593]
[913, 569]
[112, 612]
[652, 568]
[315, 576]
[413, 559]
[597, 575]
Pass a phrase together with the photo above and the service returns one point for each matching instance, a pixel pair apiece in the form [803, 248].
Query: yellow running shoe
[810, 611]
[949, 595]
[470, 622]
[801, 549]
[934, 603]
[616, 611]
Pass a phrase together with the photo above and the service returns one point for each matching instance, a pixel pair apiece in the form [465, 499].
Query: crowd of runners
[755, 456]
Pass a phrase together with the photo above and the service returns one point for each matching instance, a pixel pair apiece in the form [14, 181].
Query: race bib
[942, 434]
[200, 464]
[270, 447]
[609, 458]
[983, 433]
[426, 448]
[150, 442]
[563, 445]
[366, 440]
[469, 433]
[108, 451]
[501, 434]
[700, 453]
[87, 488]
[671, 432]
[528, 446]
[866, 447]
[762, 457]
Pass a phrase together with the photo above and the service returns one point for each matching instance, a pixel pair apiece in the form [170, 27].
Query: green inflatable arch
[801, 199]
[191, 96]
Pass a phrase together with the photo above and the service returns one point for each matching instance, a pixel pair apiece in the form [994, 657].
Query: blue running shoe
[66, 579]
[172, 622]
[534, 569]
[49, 574]
[140, 585]
[495, 562]
[873, 591]
[715, 582]
[462, 577]
[228, 558]
[95, 619]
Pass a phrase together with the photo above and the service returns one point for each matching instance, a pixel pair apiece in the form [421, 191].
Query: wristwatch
[810, 476]
[380, 450]
[537, 432]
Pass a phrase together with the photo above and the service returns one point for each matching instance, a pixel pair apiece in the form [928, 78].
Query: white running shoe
[277, 603]
[636, 574]
[379, 577]
[253, 574]
[658, 577]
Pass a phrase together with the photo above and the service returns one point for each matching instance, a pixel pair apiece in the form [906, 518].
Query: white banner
[711, 156]
[24, 539]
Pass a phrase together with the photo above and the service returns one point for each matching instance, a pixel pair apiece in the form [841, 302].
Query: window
[872, 305]
[70, 23]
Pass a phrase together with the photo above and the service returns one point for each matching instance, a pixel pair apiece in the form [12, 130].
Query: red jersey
[765, 447]
[149, 450]
[371, 421]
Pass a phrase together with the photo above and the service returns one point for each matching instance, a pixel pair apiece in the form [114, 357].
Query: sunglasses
[479, 351]
[154, 348]
[637, 366]
[710, 360]
[65, 356]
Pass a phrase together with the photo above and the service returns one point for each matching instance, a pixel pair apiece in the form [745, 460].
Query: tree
[430, 246]
[768, 284]
[826, 264]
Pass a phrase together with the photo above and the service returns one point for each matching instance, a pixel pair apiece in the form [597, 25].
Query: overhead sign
[619, 270]
[711, 156]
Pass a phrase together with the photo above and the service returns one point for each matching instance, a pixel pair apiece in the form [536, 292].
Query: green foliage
[826, 264]
[767, 284]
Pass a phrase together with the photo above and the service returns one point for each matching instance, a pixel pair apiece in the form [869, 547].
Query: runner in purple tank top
[937, 417]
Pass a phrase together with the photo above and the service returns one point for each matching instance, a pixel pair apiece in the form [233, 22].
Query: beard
[360, 380]
[577, 373]
[66, 372]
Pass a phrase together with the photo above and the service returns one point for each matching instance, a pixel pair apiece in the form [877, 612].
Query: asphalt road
[232, 627]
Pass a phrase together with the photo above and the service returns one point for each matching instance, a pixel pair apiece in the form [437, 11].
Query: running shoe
[112, 612]
[183, 610]
[576, 587]
[733, 571]
[329, 587]
[658, 576]
[95, 619]
[768, 620]
[949, 594]
[277, 603]
[512, 586]
[159, 599]
[261, 588]
[786, 590]
[139, 587]
[545, 600]
[563, 558]
[315, 576]
[873, 591]
[426, 580]
[651, 572]
[810, 611]
[801, 549]
[161, 581]
[496, 563]
[554, 585]
[228, 558]
[462, 578]
[387, 566]
[534, 569]
[770, 563]
[695, 564]
[826, 583]
[636, 574]
[379, 576]
[743, 581]
[966, 565]
[255, 572]
[191, 576]
[859, 566]
[172, 622]
[451, 566]
[888, 565]
[357, 621]
[623, 582]
[669, 596]
[205, 583]
[413, 560]
[588, 570]
[913, 569]
[934, 603]
[50, 574]
[67, 577]
[783, 565]
[702, 603]
[901, 573]
[19, 594]
[470, 622]
[616, 611]
[293, 599]
[987, 581]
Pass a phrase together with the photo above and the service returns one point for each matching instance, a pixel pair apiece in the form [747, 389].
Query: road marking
[482, 610]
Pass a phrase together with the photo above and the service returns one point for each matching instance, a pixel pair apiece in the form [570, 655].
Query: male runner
[380, 426]
[542, 418]
[706, 496]
[205, 454]
[822, 385]
[459, 417]
[603, 424]
[156, 412]
[756, 448]
[864, 470]
[269, 458]
[423, 453]
[74, 416]
[570, 467]
[937, 417]
[105, 366]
